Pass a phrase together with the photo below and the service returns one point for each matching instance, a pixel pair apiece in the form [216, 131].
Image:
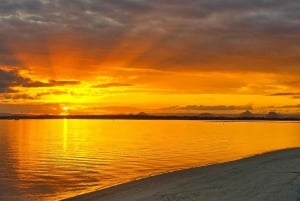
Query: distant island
[144, 116]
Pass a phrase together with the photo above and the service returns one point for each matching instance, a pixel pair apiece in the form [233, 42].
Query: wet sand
[273, 176]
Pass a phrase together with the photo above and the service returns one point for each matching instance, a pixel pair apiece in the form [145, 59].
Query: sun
[65, 108]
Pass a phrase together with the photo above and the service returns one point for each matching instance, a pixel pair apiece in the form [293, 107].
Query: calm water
[53, 159]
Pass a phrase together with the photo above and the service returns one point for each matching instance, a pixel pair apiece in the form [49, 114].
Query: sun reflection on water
[52, 159]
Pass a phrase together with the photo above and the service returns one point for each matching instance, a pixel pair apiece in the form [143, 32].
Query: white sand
[271, 177]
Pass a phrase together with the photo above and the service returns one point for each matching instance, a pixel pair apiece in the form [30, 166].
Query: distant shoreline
[146, 117]
[273, 176]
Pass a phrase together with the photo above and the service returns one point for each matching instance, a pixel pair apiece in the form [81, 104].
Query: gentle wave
[55, 159]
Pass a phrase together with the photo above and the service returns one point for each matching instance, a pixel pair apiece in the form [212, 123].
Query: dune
[273, 176]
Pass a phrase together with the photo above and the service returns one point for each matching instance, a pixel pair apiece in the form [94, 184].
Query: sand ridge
[273, 176]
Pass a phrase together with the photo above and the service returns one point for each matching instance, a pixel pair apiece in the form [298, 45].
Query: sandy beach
[271, 176]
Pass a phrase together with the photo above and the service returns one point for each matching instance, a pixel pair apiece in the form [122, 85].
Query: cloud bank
[208, 35]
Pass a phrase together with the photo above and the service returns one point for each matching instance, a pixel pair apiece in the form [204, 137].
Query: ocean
[55, 159]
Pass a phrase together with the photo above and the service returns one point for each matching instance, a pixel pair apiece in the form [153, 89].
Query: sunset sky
[127, 56]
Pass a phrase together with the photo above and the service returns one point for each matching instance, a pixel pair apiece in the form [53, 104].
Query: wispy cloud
[285, 94]
[19, 96]
[290, 106]
[112, 84]
[50, 83]
[210, 107]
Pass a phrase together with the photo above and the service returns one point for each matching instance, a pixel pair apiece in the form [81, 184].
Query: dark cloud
[7, 56]
[293, 95]
[10, 79]
[37, 108]
[16, 95]
[50, 83]
[51, 92]
[136, 6]
[19, 96]
[285, 94]
[210, 108]
[259, 35]
[290, 106]
[112, 84]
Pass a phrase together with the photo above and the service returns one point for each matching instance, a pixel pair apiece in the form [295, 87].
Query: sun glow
[65, 110]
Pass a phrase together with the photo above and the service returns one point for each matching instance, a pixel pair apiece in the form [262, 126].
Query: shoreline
[269, 176]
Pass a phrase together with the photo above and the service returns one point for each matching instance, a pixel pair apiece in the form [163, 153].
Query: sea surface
[55, 159]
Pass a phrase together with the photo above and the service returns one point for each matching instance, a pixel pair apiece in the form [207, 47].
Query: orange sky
[126, 56]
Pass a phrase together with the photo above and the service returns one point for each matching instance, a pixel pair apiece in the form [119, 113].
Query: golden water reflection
[53, 159]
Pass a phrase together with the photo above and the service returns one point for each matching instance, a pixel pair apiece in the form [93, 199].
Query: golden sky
[127, 56]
